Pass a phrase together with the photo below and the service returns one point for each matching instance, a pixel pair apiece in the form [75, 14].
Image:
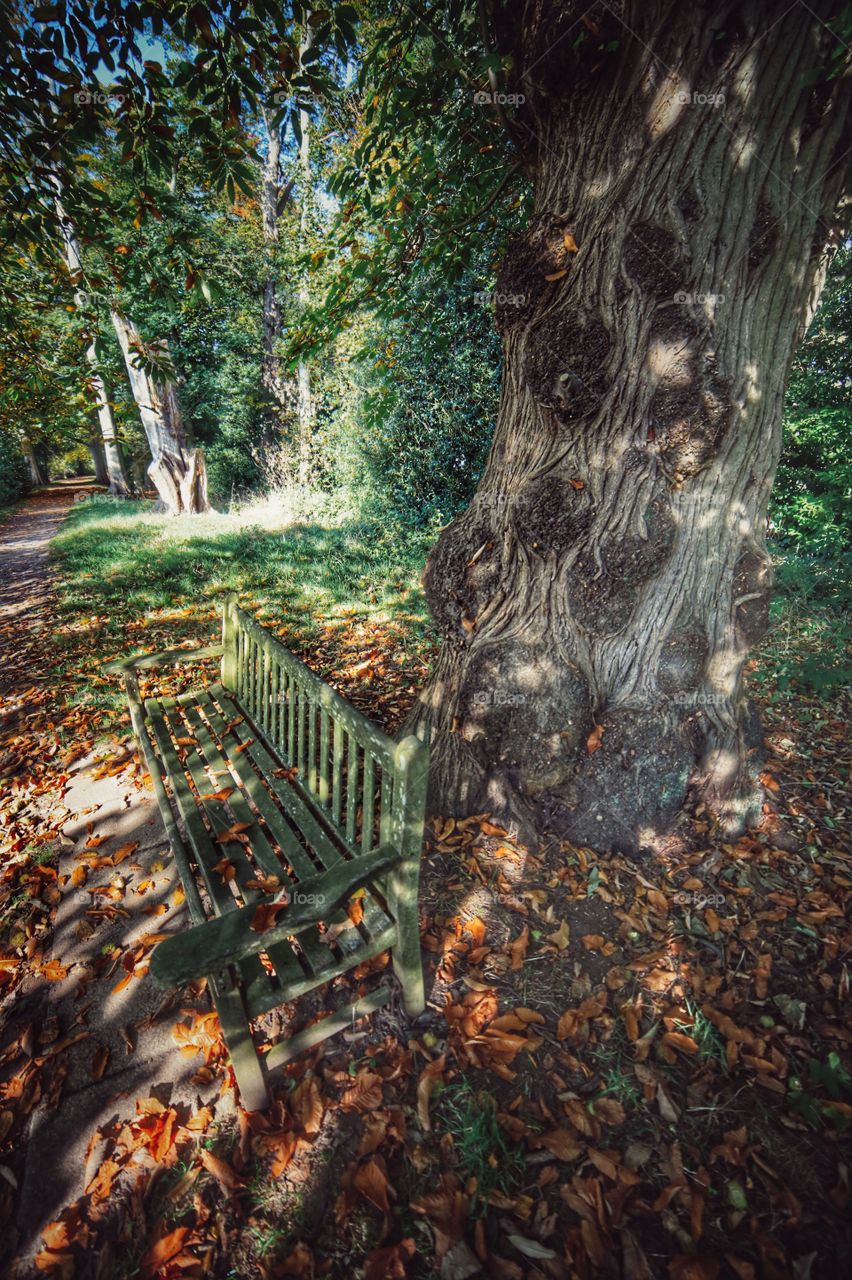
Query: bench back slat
[347, 766]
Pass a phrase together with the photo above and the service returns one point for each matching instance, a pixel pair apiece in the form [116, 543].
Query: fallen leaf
[425, 1088]
[518, 949]
[371, 1181]
[225, 1175]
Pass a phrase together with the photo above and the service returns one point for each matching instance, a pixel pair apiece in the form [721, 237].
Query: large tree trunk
[600, 595]
[96, 449]
[273, 377]
[177, 472]
[116, 475]
[305, 398]
[38, 477]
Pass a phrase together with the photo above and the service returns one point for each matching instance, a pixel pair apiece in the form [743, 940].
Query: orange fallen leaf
[518, 949]
[561, 1143]
[163, 1250]
[233, 833]
[593, 741]
[265, 915]
[680, 1040]
[227, 1177]
[371, 1180]
[425, 1087]
[124, 851]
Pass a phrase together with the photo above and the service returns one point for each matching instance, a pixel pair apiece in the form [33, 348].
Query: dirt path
[115, 888]
[24, 590]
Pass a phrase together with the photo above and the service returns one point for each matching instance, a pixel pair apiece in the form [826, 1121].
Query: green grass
[129, 577]
[481, 1147]
[122, 556]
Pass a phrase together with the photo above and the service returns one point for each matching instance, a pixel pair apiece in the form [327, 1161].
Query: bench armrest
[147, 661]
[225, 939]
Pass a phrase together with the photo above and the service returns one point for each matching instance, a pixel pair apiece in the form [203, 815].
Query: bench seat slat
[202, 846]
[375, 918]
[351, 939]
[316, 951]
[283, 959]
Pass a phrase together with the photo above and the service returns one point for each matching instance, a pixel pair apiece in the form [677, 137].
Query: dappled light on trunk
[600, 595]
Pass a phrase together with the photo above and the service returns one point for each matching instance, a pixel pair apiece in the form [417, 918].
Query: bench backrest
[369, 788]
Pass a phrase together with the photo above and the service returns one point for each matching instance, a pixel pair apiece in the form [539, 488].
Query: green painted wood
[368, 815]
[381, 745]
[292, 696]
[351, 790]
[205, 853]
[341, 1020]
[403, 883]
[315, 951]
[150, 661]
[230, 633]
[386, 823]
[285, 713]
[324, 789]
[155, 768]
[226, 939]
[310, 823]
[301, 733]
[337, 774]
[262, 1002]
[248, 1066]
[223, 814]
[312, 746]
[275, 732]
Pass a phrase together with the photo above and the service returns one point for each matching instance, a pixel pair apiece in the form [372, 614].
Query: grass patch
[130, 579]
[482, 1149]
[120, 559]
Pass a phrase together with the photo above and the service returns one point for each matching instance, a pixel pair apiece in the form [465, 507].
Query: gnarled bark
[177, 472]
[600, 595]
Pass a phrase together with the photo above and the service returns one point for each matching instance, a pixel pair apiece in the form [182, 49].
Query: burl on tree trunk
[600, 595]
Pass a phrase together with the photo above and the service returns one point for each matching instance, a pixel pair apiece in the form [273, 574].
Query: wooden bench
[270, 773]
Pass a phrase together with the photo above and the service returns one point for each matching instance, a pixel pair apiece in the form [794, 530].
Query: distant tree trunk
[96, 449]
[177, 472]
[271, 197]
[600, 595]
[305, 399]
[119, 485]
[38, 476]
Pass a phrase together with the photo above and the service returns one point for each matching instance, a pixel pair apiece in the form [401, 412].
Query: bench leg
[248, 1067]
[408, 961]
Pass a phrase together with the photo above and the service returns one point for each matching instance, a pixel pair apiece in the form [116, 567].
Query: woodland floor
[627, 1068]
